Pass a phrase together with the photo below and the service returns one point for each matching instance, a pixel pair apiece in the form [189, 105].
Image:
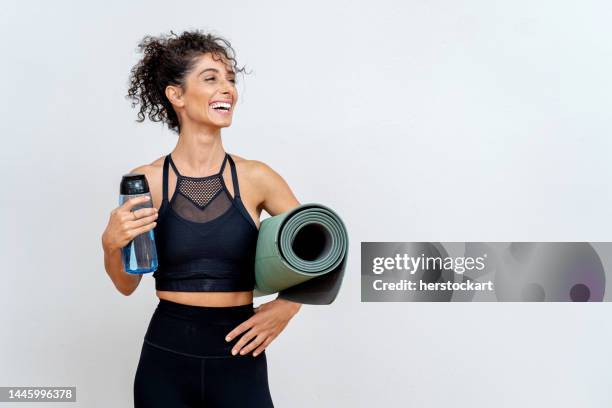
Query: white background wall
[416, 121]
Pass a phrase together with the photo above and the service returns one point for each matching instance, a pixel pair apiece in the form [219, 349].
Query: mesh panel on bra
[200, 200]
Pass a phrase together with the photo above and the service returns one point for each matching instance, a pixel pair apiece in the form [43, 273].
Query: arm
[115, 237]
[124, 282]
[277, 195]
[277, 198]
[321, 290]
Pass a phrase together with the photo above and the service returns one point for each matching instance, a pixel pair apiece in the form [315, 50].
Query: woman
[205, 344]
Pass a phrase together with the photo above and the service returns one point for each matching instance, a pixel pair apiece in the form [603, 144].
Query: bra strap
[223, 164]
[174, 166]
[234, 177]
[165, 179]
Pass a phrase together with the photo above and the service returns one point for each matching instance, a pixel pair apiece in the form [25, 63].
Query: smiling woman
[205, 344]
[175, 61]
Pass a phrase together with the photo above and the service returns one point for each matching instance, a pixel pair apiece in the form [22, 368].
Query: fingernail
[234, 352]
[228, 338]
[254, 354]
[242, 352]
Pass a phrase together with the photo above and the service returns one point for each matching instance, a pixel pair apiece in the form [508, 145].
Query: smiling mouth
[222, 108]
[222, 112]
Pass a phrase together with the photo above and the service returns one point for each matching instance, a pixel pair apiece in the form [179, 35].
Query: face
[209, 95]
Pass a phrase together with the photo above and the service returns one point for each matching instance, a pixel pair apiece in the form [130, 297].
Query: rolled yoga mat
[301, 254]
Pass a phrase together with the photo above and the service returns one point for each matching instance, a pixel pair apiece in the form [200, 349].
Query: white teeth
[220, 105]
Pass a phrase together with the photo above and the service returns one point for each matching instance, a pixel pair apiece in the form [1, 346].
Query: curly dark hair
[167, 60]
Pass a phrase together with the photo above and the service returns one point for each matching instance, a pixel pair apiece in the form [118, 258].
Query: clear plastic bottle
[140, 255]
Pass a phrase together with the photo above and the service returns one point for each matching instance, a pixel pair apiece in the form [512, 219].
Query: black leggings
[186, 362]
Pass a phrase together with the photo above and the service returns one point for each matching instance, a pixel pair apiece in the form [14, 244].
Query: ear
[174, 93]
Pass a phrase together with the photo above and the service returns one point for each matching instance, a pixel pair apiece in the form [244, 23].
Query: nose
[227, 86]
[225, 90]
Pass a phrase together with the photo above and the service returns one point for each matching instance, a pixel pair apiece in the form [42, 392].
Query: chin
[222, 125]
[218, 123]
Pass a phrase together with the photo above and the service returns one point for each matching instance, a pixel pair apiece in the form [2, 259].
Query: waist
[196, 331]
[210, 299]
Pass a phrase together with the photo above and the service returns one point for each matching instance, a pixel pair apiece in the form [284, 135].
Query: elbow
[126, 291]
[126, 288]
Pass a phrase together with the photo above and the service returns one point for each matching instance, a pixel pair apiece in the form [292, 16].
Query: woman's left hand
[268, 321]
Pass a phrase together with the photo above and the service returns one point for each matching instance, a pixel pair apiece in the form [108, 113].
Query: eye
[210, 78]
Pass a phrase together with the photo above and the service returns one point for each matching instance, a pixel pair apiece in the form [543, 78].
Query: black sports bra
[205, 238]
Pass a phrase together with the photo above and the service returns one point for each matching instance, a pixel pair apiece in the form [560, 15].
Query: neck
[198, 151]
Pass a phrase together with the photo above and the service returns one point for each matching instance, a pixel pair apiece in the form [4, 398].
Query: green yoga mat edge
[289, 282]
[285, 274]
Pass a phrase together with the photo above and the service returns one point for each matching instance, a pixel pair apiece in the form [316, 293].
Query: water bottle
[140, 255]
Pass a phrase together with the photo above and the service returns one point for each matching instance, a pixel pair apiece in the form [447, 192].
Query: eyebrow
[216, 70]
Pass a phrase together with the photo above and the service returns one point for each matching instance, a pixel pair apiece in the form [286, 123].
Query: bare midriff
[214, 299]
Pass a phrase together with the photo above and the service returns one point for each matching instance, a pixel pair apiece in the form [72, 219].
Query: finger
[254, 344]
[243, 341]
[141, 230]
[132, 202]
[263, 346]
[139, 222]
[143, 212]
[242, 327]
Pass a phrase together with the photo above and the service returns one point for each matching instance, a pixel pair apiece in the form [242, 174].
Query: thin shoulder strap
[234, 177]
[173, 166]
[165, 179]
[223, 164]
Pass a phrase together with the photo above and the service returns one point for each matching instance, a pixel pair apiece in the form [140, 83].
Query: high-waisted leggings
[186, 362]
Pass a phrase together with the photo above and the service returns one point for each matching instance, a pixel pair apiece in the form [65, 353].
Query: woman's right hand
[124, 224]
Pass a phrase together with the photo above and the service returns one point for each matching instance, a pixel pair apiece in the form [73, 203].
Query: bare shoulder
[153, 174]
[256, 171]
[152, 171]
[155, 165]
[273, 192]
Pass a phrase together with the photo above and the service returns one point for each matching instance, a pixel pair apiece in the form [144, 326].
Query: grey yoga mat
[301, 254]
